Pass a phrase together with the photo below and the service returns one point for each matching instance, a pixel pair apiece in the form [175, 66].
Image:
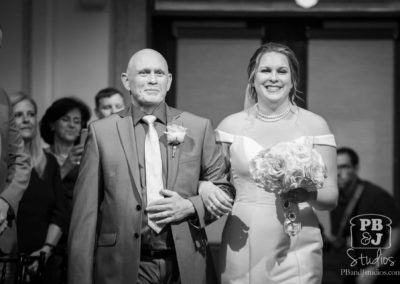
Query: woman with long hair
[283, 166]
[42, 212]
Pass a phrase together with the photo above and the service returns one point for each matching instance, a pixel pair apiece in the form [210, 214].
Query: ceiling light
[306, 3]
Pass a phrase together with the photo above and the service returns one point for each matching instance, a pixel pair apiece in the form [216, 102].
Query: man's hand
[4, 206]
[172, 208]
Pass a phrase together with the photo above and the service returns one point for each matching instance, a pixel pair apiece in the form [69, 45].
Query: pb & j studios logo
[370, 233]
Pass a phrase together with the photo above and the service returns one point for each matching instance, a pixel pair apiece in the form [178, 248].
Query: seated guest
[108, 101]
[42, 212]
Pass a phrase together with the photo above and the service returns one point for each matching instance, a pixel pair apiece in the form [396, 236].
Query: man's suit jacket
[104, 237]
[15, 166]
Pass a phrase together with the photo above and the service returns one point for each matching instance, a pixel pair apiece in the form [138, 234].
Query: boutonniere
[175, 136]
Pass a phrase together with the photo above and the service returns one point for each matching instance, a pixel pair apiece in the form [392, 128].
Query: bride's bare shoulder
[232, 123]
[313, 123]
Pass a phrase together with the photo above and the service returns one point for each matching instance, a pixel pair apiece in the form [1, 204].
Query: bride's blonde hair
[251, 94]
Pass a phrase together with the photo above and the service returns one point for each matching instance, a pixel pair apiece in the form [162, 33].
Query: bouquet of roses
[288, 166]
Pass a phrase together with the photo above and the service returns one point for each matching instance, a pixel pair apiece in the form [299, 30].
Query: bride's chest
[244, 149]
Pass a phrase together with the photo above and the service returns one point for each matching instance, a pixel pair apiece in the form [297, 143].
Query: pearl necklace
[271, 117]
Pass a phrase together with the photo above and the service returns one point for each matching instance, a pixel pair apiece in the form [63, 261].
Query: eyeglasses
[345, 167]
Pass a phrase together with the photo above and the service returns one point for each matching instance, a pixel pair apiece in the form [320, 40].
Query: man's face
[147, 78]
[110, 105]
[346, 171]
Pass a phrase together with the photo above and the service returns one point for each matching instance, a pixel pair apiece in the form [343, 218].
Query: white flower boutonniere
[175, 136]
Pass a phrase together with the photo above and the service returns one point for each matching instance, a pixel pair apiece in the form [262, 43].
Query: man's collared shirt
[150, 239]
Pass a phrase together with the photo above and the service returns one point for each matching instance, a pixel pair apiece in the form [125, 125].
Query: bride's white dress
[254, 247]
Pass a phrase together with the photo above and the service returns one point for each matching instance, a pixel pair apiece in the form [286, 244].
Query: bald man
[111, 239]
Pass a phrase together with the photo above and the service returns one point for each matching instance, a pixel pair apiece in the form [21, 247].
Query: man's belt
[154, 254]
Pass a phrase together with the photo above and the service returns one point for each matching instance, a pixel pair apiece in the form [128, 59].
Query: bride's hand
[299, 195]
[216, 201]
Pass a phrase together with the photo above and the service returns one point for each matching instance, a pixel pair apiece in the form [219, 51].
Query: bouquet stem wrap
[291, 224]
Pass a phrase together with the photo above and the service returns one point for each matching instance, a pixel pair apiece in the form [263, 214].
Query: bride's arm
[325, 198]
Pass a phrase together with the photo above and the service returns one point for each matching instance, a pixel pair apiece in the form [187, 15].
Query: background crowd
[54, 145]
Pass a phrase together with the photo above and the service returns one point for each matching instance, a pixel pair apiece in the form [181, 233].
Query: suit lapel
[173, 117]
[128, 140]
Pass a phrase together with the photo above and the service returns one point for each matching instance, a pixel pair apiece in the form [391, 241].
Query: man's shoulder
[194, 117]
[374, 193]
[105, 123]
[372, 188]
[187, 116]
[376, 200]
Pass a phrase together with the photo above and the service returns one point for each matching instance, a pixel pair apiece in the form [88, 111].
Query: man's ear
[125, 81]
[169, 81]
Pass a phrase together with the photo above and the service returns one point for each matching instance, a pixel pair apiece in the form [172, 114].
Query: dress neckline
[285, 141]
[275, 144]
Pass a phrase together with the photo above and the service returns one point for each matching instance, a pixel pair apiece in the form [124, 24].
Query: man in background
[358, 197]
[108, 101]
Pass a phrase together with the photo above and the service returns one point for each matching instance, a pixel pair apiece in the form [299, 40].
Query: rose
[294, 179]
[316, 171]
[268, 169]
[275, 166]
[175, 136]
[301, 153]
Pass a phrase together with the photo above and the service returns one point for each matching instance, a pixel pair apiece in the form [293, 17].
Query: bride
[255, 247]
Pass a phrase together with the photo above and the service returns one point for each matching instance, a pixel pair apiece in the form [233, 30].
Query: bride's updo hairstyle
[251, 94]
